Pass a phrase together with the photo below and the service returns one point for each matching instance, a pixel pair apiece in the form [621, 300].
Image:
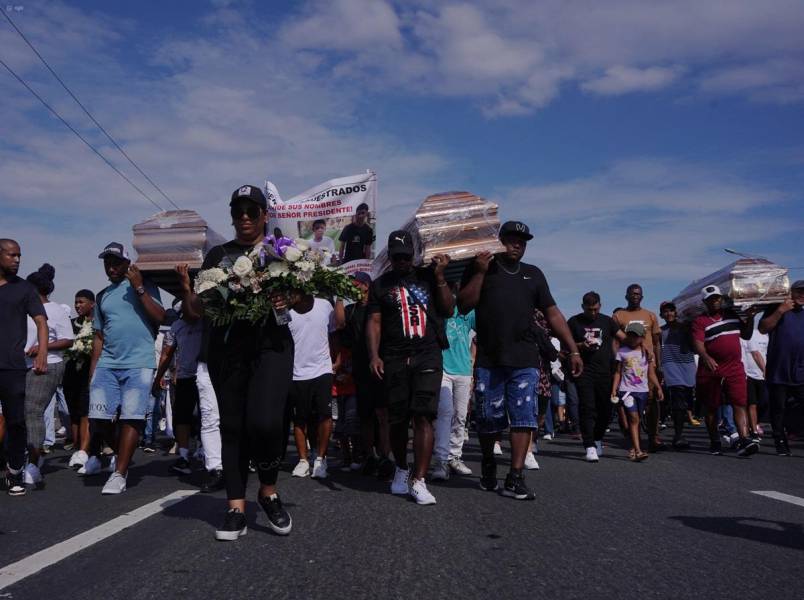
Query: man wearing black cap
[251, 368]
[127, 316]
[405, 334]
[785, 367]
[18, 300]
[505, 292]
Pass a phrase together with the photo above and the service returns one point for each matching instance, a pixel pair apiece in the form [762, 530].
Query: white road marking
[780, 496]
[11, 574]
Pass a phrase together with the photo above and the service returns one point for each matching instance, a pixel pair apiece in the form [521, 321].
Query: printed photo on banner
[337, 216]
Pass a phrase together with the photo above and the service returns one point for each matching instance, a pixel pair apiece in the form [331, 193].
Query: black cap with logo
[516, 228]
[251, 193]
[400, 242]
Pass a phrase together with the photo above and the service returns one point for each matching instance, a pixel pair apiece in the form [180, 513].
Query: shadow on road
[765, 531]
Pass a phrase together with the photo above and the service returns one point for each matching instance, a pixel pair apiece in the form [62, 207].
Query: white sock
[184, 453]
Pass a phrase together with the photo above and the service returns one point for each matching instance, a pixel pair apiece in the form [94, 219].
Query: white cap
[710, 290]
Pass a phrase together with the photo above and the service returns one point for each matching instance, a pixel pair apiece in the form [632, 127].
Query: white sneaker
[93, 466]
[302, 469]
[112, 465]
[32, 475]
[61, 431]
[420, 493]
[547, 436]
[440, 472]
[78, 459]
[599, 447]
[531, 464]
[457, 465]
[116, 484]
[591, 454]
[497, 449]
[320, 468]
[399, 485]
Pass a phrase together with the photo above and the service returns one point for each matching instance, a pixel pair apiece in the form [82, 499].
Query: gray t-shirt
[187, 339]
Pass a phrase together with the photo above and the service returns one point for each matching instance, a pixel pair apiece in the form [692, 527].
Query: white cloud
[624, 80]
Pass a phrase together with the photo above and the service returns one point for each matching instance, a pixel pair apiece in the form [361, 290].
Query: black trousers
[778, 396]
[253, 402]
[594, 396]
[12, 399]
[680, 399]
[186, 401]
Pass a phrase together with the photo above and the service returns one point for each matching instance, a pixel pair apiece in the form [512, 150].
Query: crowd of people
[417, 361]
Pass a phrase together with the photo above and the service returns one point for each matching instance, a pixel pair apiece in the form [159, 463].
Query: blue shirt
[458, 358]
[678, 357]
[128, 334]
[786, 349]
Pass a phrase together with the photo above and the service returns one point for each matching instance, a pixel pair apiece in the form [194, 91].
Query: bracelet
[575, 353]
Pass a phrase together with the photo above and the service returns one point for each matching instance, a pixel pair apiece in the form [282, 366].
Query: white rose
[292, 254]
[242, 266]
[215, 274]
[302, 244]
[278, 269]
[204, 286]
[305, 265]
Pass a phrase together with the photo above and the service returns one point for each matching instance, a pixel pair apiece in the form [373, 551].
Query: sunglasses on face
[252, 211]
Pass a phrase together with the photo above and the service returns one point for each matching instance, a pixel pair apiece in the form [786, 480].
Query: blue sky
[637, 139]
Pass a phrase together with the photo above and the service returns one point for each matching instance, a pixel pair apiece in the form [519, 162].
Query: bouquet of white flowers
[241, 290]
[81, 349]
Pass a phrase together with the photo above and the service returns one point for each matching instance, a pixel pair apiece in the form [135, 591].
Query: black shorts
[369, 393]
[757, 392]
[681, 397]
[412, 387]
[311, 397]
[76, 390]
[185, 401]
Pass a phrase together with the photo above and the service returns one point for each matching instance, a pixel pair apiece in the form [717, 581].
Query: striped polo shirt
[720, 335]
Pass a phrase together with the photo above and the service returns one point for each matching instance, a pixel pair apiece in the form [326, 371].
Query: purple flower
[274, 248]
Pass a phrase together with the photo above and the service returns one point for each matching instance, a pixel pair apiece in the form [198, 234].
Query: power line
[86, 111]
[81, 137]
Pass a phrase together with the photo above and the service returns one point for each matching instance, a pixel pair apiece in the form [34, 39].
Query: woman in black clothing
[251, 368]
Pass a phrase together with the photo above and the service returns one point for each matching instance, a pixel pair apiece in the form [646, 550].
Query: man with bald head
[18, 300]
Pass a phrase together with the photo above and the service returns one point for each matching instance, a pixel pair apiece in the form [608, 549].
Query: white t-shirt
[757, 343]
[310, 332]
[326, 243]
[58, 328]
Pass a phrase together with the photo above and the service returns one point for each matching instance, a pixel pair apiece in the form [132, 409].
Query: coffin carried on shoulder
[744, 283]
[169, 238]
[459, 224]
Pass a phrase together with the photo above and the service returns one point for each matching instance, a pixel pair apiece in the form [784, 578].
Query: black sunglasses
[252, 211]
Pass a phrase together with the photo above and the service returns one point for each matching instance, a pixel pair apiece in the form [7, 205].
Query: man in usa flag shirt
[405, 334]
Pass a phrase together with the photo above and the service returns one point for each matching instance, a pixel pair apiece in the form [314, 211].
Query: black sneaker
[681, 444]
[747, 447]
[278, 518]
[515, 487]
[182, 466]
[488, 477]
[715, 448]
[234, 526]
[15, 484]
[369, 466]
[385, 469]
[755, 438]
[214, 482]
[782, 449]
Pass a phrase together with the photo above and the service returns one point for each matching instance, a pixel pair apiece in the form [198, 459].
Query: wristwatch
[140, 290]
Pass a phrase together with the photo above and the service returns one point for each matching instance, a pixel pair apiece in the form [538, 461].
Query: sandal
[631, 454]
[641, 456]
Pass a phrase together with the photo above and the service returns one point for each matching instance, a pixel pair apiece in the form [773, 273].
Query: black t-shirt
[353, 336]
[407, 328]
[240, 340]
[504, 315]
[355, 238]
[18, 300]
[601, 331]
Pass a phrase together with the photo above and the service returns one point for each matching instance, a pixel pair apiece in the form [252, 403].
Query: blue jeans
[152, 417]
[59, 402]
[506, 396]
[725, 416]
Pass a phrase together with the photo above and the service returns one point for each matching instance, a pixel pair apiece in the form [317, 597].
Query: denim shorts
[126, 389]
[506, 397]
[633, 401]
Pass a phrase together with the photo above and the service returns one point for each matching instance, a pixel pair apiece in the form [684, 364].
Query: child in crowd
[634, 376]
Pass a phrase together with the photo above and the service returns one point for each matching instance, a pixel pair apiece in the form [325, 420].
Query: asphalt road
[677, 526]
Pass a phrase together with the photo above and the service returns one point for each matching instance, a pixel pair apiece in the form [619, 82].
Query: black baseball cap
[252, 193]
[516, 228]
[400, 242]
[115, 249]
[362, 277]
[797, 285]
